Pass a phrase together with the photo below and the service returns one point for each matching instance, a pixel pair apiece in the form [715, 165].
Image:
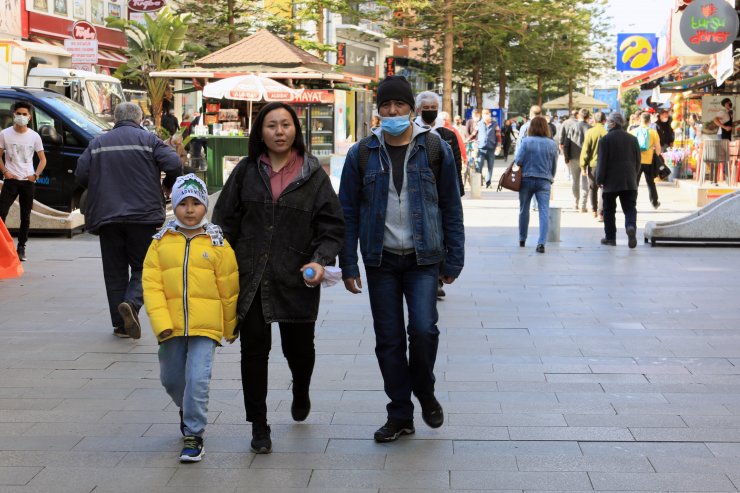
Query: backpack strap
[434, 153]
[364, 154]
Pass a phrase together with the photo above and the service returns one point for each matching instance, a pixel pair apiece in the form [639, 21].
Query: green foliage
[154, 45]
[628, 103]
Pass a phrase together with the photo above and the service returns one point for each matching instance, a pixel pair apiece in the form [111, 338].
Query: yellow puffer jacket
[200, 301]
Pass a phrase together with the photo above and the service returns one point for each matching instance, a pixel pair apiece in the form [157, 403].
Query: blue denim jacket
[436, 210]
[538, 157]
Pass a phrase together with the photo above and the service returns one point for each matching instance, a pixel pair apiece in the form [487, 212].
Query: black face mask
[429, 116]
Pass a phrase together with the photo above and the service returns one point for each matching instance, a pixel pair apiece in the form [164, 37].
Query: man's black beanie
[395, 87]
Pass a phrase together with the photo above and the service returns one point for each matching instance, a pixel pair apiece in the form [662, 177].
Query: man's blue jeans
[486, 156]
[540, 188]
[185, 365]
[399, 277]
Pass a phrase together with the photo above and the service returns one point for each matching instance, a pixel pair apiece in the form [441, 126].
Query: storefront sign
[341, 54]
[84, 51]
[636, 52]
[146, 5]
[390, 66]
[83, 30]
[709, 27]
[313, 96]
[361, 61]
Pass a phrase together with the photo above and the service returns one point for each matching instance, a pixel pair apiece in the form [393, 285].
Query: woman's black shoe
[261, 442]
[300, 408]
[521, 243]
[540, 248]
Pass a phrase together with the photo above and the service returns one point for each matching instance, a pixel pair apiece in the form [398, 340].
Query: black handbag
[660, 169]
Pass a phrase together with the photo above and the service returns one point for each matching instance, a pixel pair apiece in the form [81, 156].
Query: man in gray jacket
[125, 205]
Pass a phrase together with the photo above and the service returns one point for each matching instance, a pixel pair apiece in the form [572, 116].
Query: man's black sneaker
[301, 407]
[393, 429]
[21, 250]
[431, 412]
[656, 204]
[631, 237]
[192, 450]
[130, 319]
[182, 423]
[261, 442]
[606, 241]
[121, 332]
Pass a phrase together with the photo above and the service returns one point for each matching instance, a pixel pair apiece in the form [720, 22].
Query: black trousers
[256, 340]
[23, 190]
[628, 199]
[123, 247]
[650, 179]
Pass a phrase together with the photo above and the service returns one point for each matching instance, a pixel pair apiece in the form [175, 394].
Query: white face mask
[21, 120]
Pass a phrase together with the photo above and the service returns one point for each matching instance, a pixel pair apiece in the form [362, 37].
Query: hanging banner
[636, 52]
[709, 26]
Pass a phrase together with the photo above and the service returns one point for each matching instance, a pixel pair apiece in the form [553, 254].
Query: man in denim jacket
[409, 224]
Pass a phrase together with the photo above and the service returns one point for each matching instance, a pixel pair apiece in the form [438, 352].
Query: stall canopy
[264, 54]
[579, 101]
[650, 75]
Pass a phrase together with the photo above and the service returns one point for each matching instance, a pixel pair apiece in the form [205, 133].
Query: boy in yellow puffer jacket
[191, 285]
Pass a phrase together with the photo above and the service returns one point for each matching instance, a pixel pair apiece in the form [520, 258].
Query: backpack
[643, 138]
[433, 149]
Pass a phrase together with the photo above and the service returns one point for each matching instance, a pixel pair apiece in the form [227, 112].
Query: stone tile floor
[589, 368]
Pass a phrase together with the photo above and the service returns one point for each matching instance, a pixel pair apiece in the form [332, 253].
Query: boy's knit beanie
[189, 186]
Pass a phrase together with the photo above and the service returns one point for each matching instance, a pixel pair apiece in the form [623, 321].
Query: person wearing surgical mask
[18, 144]
[401, 203]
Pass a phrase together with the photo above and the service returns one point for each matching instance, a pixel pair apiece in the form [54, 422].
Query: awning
[108, 58]
[690, 83]
[43, 48]
[650, 75]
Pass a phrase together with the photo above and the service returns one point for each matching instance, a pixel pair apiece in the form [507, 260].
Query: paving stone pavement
[589, 368]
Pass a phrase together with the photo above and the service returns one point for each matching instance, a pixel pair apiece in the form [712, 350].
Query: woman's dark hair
[257, 146]
[538, 127]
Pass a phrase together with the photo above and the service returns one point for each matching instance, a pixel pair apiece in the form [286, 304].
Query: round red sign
[146, 5]
[83, 30]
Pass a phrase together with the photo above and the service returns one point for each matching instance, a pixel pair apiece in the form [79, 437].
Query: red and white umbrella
[249, 88]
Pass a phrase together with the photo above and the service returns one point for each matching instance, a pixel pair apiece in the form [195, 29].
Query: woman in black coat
[281, 215]
[507, 135]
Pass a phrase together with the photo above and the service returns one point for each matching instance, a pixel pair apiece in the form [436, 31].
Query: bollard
[475, 186]
[553, 232]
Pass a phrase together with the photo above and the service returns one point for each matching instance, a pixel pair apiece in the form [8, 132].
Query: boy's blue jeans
[398, 278]
[185, 365]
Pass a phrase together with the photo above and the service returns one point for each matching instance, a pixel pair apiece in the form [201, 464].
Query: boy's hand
[164, 334]
[231, 341]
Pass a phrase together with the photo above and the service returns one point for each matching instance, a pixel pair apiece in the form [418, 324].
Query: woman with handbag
[538, 157]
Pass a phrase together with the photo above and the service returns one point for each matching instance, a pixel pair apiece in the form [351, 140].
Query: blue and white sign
[636, 52]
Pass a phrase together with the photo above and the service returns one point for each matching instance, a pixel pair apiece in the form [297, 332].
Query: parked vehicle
[66, 128]
[98, 93]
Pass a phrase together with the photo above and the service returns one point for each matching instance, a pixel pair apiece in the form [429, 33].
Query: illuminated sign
[342, 54]
[390, 66]
[636, 52]
[708, 27]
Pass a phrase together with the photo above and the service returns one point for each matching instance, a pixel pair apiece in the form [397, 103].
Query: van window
[40, 118]
[104, 96]
[78, 114]
[6, 116]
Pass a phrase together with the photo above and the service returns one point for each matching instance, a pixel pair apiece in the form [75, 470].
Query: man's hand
[32, 178]
[447, 279]
[353, 284]
[584, 172]
[9, 176]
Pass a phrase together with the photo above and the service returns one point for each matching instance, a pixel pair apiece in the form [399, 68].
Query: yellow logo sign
[636, 51]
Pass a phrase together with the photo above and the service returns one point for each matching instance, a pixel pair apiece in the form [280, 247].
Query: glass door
[321, 143]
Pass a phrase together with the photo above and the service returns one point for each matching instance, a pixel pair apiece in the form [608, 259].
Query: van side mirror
[49, 135]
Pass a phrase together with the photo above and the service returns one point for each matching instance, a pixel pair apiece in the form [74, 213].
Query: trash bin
[553, 232]
[218, 147]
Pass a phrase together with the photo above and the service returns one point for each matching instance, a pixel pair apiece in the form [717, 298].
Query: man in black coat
[616, 172]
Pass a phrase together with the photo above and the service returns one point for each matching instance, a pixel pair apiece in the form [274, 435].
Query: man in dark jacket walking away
[616, 171]
[125, 205]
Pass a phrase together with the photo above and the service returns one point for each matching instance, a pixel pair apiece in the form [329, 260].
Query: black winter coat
[451, 139]
[273, 240]
[618, 162]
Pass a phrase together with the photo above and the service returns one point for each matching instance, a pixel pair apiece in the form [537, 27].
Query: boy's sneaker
[261, 442]
[121, 332]
[192, 450]
[393, 429]
[130, 319]
[21, 250]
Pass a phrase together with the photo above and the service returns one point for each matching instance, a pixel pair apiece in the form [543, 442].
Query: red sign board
[83, 30]
[313, 96]
[146, 5]
[342, 54]
[390, 66]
